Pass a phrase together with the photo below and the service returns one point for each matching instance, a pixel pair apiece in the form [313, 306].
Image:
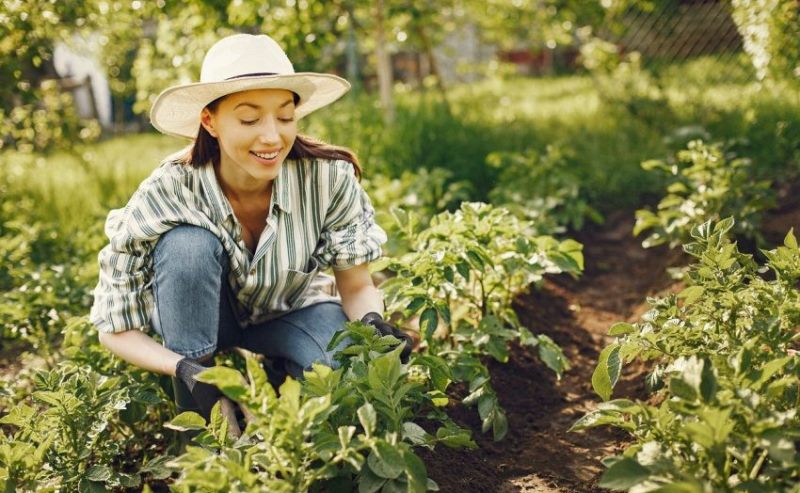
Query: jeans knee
[188, 249]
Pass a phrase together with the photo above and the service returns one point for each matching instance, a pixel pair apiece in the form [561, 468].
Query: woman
[223, 244]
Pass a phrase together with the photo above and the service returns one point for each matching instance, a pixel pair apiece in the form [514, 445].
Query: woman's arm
[358, 292]
[138, 348]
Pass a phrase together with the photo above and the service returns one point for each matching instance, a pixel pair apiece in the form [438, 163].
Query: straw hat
[239, 63]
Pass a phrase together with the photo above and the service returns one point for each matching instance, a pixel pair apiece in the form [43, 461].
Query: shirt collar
[222, 208]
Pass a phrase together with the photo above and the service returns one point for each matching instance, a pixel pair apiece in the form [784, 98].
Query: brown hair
[206, 148]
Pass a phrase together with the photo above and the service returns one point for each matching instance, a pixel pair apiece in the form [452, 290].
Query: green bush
[333, 429]
[726, 377]
[460, 277]
[544, 189]
[707, 184]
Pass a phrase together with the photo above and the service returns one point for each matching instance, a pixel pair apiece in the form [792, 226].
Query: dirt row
[539, 455]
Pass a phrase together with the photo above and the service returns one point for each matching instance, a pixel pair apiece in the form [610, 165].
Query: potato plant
[90, 424]
[542, 188]
[460, 278]
[333, 429]
[706, 184]
[726, 376]
[426, 192]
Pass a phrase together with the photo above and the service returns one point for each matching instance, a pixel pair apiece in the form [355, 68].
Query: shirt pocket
[298, 281]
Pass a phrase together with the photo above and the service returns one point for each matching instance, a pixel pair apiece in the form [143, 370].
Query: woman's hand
[205, 395]
[384, 328]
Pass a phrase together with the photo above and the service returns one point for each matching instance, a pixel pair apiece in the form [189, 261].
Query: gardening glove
[384, 328]
[205, 395]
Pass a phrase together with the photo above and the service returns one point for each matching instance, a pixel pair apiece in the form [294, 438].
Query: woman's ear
[207, 122]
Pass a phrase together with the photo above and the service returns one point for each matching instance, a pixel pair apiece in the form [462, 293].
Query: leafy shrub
[425, 192]
[464, 271]
[543, 189]
[44, 279]
[770, 30]
[333, 428]
[706, 184]
[86, 426]
[725, 373]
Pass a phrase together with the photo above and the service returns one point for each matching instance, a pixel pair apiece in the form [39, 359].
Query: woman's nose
[269, 131]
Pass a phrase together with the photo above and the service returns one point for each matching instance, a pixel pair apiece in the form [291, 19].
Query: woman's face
[255, 130]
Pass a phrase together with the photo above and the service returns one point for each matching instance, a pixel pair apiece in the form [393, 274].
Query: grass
[605, 139]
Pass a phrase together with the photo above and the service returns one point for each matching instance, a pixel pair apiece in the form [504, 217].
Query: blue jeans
[195, 318]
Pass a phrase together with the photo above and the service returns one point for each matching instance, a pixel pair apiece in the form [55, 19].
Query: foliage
[43, 278]
[424, 192]
[770, 29]
[708, 184]
[464, 271]
[334, 427]
[543, 189]
[725, 375]
[73, 432]
[36, 114]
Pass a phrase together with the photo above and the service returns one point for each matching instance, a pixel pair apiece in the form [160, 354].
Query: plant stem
[757, 467]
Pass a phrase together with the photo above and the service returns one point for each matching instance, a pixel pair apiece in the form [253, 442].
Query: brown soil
[539, 455]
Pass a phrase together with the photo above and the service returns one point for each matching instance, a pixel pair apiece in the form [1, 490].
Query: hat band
[254, 74]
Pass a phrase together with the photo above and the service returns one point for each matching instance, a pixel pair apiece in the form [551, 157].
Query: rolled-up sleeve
[350, 235]
[123, 298]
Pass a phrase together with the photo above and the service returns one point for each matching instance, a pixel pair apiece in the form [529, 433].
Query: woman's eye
[248, 122]
[286, 120]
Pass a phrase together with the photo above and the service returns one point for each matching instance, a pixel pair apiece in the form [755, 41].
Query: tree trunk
[384, 65]
[426, 44]
[353, 74]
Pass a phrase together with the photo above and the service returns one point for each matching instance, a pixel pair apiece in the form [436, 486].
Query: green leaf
[256, 375]
[499, 424]
[497, 348]
[605, 376]
[98, 472]
[455, 437]
[463, 268]
[386, 461]
[367, 417]
[438, 369]
[415, 305]
[369, 482]
[621, 328]
[552, 355]
[228, 380]
[428, 321]
[157, 468]
[20, 415]
[415, 434]
[692, 294]
[790, 241]
[415, 472]
[476, 260]
[186, 421]
[448, 274]
[624, 474]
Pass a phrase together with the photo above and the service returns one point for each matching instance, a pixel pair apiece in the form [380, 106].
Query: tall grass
[75, 189]
[605, 141]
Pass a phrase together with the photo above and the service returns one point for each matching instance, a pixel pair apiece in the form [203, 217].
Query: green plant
[464, 271]
[426, 192]
[85, 427]
[542, 188]
[707, 184]
[333, 428]
[725, 376]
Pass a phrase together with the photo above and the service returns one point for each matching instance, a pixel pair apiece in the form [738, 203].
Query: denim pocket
[298, 281]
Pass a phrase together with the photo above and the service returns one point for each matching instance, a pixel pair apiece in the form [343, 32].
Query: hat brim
[176, 111]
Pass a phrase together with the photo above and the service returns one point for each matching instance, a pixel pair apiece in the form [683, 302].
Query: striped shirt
[319, 217]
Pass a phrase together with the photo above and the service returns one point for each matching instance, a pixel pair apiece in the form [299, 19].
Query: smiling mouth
[267, 156]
